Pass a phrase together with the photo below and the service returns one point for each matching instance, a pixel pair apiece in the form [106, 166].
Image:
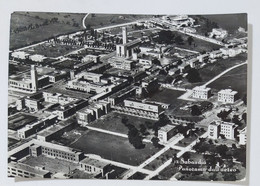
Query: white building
[37, 58]
[20, 55]
[242, 136]
[201, 92]
[227, 96]
[218, 33]
[165, 133]
[216, 128]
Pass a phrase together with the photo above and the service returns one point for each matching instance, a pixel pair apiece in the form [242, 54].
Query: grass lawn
[168, 172]
[166, 96]
[186, 141]
[113, 147]
[235, 79]
[24, 19]
[137, 176]
[161, 159]
[113, 122]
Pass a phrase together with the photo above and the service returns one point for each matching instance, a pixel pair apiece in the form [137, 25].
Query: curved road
[83, 20]
[218, 76]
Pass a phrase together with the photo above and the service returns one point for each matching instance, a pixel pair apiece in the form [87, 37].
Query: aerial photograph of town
[128, 97]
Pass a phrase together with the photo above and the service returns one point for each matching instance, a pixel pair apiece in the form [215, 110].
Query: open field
[113, 122]
[24, 30]
[197, 45]
[232, 21]
[100, 20]
[113, 147]
[235, 79]
[213, 69]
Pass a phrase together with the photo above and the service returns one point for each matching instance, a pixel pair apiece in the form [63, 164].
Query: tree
[195, 110]
[190, 40]
[178, 40]
[222, 150]
[155, 141]
[193, 76]
[186, 156]
[124, 120]
[134, 137]
[245, 99]
[236, 120]
[165, 36]
[142, 129]
[244, 117]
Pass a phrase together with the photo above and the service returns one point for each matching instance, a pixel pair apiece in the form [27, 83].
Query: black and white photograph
[127, 96]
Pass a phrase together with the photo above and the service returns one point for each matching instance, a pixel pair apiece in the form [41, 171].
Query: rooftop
[94, 162]
[28, 168]
[167, 128]
[228, 91]
[202, 88]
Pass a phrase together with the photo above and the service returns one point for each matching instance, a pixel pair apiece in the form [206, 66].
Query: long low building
[140, 109]
[93, 166]
[33, 128]
[16, 169]
[55, 131]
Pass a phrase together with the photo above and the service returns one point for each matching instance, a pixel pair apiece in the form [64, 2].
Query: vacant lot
[235, 79]
[113, 147]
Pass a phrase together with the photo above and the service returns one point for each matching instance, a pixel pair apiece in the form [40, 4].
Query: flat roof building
[201, 92]
[227, 96]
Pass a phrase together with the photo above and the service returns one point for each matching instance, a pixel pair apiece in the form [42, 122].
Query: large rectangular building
[16, 169]
[201, 92]
[227, 96]
[217, 128]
